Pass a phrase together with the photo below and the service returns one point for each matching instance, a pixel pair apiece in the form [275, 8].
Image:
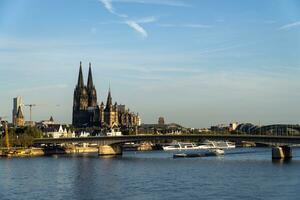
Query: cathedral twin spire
[90, 88]
[85, 96]
[87, 112]
[80, 82]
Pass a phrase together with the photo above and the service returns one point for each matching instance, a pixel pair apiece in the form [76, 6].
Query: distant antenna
[30, 111]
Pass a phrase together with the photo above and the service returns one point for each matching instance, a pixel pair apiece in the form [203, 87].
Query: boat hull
[217, 152]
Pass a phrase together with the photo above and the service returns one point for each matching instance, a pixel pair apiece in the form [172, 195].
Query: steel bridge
[112, 145]
[112, 140]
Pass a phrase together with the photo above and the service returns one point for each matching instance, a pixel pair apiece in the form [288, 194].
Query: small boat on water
[212, 152]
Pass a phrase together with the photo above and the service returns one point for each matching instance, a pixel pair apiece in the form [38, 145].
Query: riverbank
[21, 152]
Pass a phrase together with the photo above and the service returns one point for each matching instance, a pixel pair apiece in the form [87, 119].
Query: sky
[195, 62]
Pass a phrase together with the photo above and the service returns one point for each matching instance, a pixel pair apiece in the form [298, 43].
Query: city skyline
[191, 62]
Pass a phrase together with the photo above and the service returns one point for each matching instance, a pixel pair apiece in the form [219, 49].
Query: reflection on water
[240, 174]
[281, 161]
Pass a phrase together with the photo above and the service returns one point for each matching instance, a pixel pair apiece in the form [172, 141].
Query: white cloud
[186, 25]
[146, 20]
[225, 48]
[107, 4]
[109, 7]
[196, 26]
[135, 26]
[175, 3]
[289, 26]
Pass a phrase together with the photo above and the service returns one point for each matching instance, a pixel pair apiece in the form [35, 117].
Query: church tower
[110, 112]
[20, 118]
[108, 107]
[92, 94]
[80, 102]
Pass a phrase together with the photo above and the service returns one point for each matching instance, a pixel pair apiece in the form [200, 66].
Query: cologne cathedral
[88, 113]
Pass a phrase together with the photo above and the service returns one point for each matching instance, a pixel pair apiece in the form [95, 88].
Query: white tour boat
[217, 145]
[181, 146]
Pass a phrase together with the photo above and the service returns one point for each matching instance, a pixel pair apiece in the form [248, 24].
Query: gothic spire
[20, 113]
[80, 82]
[109, 99]
[90, 83]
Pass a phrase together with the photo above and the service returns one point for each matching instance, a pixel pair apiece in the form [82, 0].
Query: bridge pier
[282, 152]
[109, 150]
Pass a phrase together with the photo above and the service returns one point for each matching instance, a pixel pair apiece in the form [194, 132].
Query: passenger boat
[203, 153]
[181, 146]
[217, 145]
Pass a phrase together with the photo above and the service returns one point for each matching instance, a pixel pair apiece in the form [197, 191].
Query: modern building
[273, 129]
[88, 113]
[17, 102]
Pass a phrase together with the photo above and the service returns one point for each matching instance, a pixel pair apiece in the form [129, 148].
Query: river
[243, 173]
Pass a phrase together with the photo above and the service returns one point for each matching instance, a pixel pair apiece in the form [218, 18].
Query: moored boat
[212, 152]
[217, 145]
[181, 146]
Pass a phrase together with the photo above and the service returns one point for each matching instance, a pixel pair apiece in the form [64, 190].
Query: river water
[247, 173]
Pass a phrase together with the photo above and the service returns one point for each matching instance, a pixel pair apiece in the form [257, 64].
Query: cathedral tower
[80, 102]
[92, 94]
[87, 112]
[110, 112]
[20, 118]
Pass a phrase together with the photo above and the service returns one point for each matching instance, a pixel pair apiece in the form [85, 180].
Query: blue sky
[195, 62]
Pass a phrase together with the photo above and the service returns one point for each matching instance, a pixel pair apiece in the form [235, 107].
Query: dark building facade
[88, 113]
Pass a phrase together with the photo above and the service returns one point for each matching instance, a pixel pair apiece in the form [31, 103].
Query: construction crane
[6, 135]
[30, 111]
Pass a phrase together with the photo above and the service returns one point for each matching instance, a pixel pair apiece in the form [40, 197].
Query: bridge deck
[107, 140]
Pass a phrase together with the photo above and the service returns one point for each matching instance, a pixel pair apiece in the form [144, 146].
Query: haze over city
[195, 62]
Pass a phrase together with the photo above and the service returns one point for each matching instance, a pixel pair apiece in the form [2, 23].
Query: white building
[139, 120]
[114, 133]
[58, 131]
[233, 126]
[84, 134]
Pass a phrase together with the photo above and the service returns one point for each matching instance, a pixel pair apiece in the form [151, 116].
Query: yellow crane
[6, 135]
[5, 127]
